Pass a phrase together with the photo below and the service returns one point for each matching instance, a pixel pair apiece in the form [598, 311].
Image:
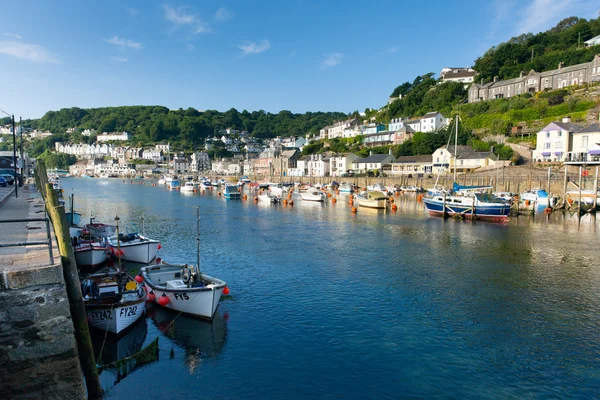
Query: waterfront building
[181, 164]
[318, 165]
[153, 155]
[200, 162]
[372, 162]
[411, 165]
[537, 81]
[340, 164]
[381, 138]
[585, 146]
[463, 158]
[301, 168]
[263, 167]
[286, 161]
[554, 140]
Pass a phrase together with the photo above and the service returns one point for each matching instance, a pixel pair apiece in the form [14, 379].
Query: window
[547, 145]
[584, 141]
[547, 134]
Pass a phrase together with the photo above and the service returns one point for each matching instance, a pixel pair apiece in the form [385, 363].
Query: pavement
[5, 192]
[29, 204]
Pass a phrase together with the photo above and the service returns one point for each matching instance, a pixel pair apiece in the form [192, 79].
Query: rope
[105, 335]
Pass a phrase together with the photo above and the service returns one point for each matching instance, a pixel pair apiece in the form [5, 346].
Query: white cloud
[122, 42]
[134, 12]
[332, 60]
[13, 35]
[181, 17]
[27, 51]
[120, 59]
[223, 14]
[254, 48]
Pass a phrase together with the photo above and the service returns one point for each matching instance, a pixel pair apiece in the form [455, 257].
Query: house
[341, 128]
[234, 169]
[36, 134]
[340, 164]
[301, 167]
[221, 166]
[263, 166]
[378, 139]
[537, 81]
[107, 137]
[463, 158]
[318, 165]
[432, 122]
[593, 41]
[372, 162]
[402, 135]
[373, 128]
[153, 155]
[79, 168]
[462, 75]
[585, 147]
[200, 162]
[553, 141]
[396, 124]
[163, 147]
[181, 164]
[286, 161]
[414, 124]
[88, 132]
[409, 165]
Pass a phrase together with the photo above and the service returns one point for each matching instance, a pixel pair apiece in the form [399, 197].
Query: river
[325, 303]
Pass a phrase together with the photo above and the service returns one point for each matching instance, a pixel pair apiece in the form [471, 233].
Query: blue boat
[231, 192]
[469, 205]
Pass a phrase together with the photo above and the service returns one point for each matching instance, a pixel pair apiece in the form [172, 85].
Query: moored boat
[539, 196]
[313, 194]
[188, 187]
[134, 247]
[90, 254]
[100, 230]
[372, 199]
[231, 192]
[469, 205]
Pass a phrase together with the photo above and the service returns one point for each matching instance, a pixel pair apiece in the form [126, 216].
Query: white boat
[205, 185]
[103, 176]
[99, 230]
[278, 190]
[267, 197]
[587, 197]
[161, 181]
[90, 254]
[539, 196]
[506, 196]
[113, 301]
[346, 188]
[186, 290]
[372, 199]
[134, 247]
[377, 187]
[174, 185]
[188, 187]
[313, 194]
[183, 288]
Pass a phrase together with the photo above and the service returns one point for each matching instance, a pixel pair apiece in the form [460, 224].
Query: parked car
[9, 178]
[3, 182]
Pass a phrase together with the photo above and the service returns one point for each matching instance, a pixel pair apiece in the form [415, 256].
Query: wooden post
[444, 206]
[549, 172]
[565, 188]
[595, 190]
[72, 285]
[579, 207]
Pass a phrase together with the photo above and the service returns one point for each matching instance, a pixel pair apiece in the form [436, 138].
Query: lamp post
[15, 156]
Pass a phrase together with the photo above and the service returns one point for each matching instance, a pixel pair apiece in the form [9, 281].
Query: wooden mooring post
[579, 206]
[595, 190]
[565, 189]
[57, 215]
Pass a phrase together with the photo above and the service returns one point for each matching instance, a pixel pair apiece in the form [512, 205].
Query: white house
[396, 124]
[88, 132]
[462, 75]
[301, 167]
[199, 162]
[553, 141]
[106, 137]
[342, 128]
[339, 164]
[586, 146]
[318, 165]
[593, 41]
[432, 121]
[464, 159]
[408, 165]
[153, 155]
[372, 162]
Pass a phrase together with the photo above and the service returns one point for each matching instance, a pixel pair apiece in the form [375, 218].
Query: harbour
[431, 306]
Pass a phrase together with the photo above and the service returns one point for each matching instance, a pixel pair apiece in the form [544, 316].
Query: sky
[272, 55]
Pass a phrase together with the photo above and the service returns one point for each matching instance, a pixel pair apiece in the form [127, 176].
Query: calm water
[375, 305]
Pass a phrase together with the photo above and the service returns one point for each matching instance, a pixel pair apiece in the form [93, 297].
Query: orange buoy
[291, 202]
[226, 291]
[218, 193]
[397, 194]
[350, 201]
[255, 198]
[394, 207]
[548, 210]
[334, 200]
[527, 203]
[245, 197]
[570, 201]
[285, 202]
[354, 210]
[329, 195]
[202, 192]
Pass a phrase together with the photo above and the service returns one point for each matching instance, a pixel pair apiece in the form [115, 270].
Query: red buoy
[226, 291]
[159, 246]
[163, 300]
[139, 278]
[151, 296]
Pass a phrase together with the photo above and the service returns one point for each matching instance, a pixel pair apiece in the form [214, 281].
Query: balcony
[591, 157]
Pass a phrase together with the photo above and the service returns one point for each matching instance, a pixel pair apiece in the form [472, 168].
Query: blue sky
[297, 55]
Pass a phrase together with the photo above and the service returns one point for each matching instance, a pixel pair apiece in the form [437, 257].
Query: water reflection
[110, 348]
[199, 339]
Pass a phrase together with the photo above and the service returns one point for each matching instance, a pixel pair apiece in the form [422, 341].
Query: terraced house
[537, 81]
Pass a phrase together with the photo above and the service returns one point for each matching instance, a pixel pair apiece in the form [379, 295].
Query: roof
[468, 153]
[415, 159]
[374, 158]
[430, 114]
[593, 128]
[593, 41]
[305, 158]
[568, 126]
[458, 73]
[289, 153]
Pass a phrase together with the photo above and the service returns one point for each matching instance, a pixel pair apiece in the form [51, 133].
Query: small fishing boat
[539, 196]
[268, 197]
[73, 217]
[183, 288]
[188, 187]
[113, 300]
[162, 181]
[278, 190]
[90, 254]
[134, 247]
[468, 205]
[377, 187]
[174, 185]
[99, 230]
[372, 199]
[346, 188]
[313, 195]
[231, 192]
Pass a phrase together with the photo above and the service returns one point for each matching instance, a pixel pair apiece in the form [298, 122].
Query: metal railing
[47, 242]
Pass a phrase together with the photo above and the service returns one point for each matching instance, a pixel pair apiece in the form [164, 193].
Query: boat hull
[91, 256]
[494, 213]
[73, 218]
[115, 318]
[312, 197]
[138, 252]
[379, 204]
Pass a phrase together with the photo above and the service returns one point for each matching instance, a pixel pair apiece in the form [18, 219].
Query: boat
[304, 187]
[183, 288]
[134, 247]
[73, 217]
[377, 187]
[188, 187]
[468, 205]
[539, 196]
[278, 190]
[231, 192]
[587, 197]
[113, 300]
[372, 199]
[313, 195]
[506, 196]
[162, 181]
[174, 185]
[99, 230]
[90, 254]
[346, 188]
[268, 197]
[245, 180]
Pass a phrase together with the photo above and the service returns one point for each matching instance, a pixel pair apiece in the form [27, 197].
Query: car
[3, 182]
[9, 178]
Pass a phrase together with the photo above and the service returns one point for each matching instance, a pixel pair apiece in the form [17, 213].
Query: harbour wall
[38, 351]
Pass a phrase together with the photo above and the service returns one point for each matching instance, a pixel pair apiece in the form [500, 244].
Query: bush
[555, 100]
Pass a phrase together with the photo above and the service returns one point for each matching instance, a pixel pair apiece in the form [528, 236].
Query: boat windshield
[488, 198]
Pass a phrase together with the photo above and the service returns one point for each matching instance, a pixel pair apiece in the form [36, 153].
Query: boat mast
[118, 243]
[198, 241]
[455, 146]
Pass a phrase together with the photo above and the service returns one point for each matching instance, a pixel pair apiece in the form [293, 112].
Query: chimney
[390, 152]
[521, 74]
[566, 119]
[495, 79]
[560, 65]
[370, 152]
